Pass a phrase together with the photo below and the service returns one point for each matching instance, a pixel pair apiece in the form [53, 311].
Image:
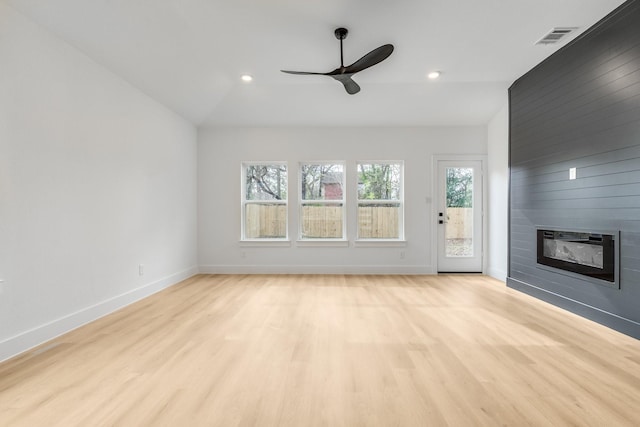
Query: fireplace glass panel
[575, 252]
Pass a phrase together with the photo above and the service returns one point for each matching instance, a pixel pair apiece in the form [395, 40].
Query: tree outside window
[459, 187]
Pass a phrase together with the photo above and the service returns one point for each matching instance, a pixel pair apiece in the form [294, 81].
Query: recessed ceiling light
[246, 78]
[433, 75]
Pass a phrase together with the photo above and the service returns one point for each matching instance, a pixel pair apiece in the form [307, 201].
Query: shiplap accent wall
[580, 108]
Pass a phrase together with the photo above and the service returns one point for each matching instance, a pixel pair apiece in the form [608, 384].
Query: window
[380, 204]
[322, 201]
[264, 201]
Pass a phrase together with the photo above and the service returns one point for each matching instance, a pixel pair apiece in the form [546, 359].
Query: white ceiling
[189, 54]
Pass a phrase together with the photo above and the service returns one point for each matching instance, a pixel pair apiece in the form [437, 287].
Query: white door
[459, 216]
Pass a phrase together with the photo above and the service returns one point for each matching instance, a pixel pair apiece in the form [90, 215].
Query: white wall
[221, 152]
[498, 162]
[95, 179]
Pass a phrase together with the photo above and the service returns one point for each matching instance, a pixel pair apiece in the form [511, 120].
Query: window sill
[338, 243]
[379, 243]
[272, 243]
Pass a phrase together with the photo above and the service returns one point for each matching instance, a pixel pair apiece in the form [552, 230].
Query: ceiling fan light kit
[343, 74]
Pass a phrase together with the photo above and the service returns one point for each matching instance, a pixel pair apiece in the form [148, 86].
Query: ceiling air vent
[556, 34]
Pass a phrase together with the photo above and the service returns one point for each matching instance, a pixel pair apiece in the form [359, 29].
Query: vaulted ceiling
[189, 54]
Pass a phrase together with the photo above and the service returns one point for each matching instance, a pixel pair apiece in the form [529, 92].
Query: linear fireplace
[590, 255]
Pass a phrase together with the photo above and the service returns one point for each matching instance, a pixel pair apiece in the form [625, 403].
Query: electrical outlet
[402, 255]
[141, 269]
[243, 254]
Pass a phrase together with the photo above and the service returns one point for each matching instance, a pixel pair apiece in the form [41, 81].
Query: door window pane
[459, 212]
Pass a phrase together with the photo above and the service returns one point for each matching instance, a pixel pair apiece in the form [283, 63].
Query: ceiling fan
[343, 74]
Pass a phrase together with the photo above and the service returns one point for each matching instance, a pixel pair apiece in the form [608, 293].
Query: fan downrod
[341, 33]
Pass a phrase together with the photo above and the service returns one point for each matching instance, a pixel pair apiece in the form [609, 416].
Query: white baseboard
[26, 340]
[497, 273]
[316, 269]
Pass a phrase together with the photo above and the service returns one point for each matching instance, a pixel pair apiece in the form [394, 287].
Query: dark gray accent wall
[580, 108]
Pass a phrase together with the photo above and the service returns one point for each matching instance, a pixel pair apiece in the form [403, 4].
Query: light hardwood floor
[329, 351]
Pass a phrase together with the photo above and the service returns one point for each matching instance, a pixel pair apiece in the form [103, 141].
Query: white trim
[318, 269]
[338, 243]
[26, 340]
[379, 243]
[484, 164]
[497, 274]
[271, 243]
[265, 202]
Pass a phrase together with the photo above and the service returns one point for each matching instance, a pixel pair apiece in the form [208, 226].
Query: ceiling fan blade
[304, 73]
[350, 86]
[343, 74]
[370, 59]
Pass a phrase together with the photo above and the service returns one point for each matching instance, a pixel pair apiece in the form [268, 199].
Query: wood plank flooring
[291, 350]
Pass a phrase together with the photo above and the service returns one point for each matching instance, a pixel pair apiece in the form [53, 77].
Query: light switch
[572, 173]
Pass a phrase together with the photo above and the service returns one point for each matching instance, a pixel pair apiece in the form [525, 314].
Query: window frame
[244, 202]
[364, 241]
[322, 241]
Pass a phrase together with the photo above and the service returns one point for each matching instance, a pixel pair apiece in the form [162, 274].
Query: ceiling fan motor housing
[341, 33]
